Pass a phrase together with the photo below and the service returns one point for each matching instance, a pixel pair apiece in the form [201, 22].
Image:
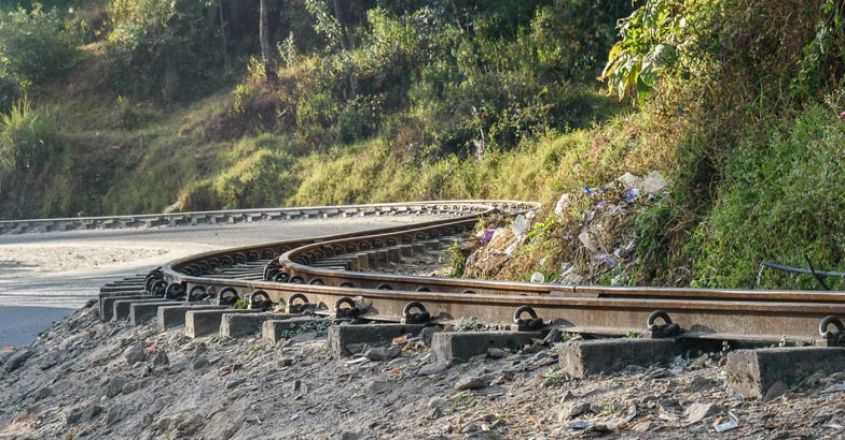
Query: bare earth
[81, 381]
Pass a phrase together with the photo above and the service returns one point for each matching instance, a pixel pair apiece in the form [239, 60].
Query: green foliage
[457, 260]
[256, 172]
[326, 24]
[241, 304]
[780, 204]
[554, 379]
[822, 57]
[10, 92]
[257, 175]
[35, 45]
[661, 38]
[28, 140]
[513, 71]
[160, 49]
[126, 116]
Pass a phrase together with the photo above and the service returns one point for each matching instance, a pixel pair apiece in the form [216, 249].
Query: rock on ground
[112, 384]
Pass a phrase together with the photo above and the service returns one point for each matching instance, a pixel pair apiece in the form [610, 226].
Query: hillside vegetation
[115, 106]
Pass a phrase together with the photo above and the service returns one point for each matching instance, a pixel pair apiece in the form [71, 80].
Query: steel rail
[212, 217]
[740, 314]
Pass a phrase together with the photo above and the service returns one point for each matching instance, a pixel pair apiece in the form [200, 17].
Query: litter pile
[592, 236]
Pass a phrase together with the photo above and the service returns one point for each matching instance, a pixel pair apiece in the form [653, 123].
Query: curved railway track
[338, 276]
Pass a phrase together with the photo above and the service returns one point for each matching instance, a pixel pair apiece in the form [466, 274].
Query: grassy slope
[780, 197]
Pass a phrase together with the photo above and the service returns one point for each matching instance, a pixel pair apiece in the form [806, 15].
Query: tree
[264, 37]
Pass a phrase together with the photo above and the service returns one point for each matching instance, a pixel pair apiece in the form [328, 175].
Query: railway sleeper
[240, 325]
[122, 288]
[107, 301]
[199, 323]
[174, 316]
[346, 340]
[122, 306]
[455, 347]
[142, 311]
[768, 373]
[275, 330]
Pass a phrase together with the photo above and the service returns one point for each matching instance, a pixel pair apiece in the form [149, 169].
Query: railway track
[341, 279]
[338, 276]
[331, 323]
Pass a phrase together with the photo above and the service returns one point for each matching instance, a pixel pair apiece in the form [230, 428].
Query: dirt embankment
[87, 379]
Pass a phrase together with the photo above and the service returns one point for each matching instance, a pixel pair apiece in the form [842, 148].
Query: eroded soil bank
[88, 379]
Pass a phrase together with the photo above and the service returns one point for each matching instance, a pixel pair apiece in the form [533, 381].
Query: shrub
[357, 120]
[258, 174]
[35, 45]
[28, 139]
[160, 49]
[10, 92]
[779, 204]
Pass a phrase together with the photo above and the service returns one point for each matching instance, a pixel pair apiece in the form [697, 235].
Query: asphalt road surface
[44, 276]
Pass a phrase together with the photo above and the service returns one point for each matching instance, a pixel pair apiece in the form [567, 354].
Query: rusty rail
[801, 316]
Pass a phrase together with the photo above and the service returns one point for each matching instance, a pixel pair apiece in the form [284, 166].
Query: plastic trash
[721, 426]
[631, 194]
[579, 424]
[537, 277]
[654, 183]
[587, 241]
[588, 190]
[608, 259]
[511, 249]
[629, 180]
[563, 203]
[520, 225]
[488, 235]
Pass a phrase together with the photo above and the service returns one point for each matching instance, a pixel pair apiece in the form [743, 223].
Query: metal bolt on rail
[532, 323]
[666, 330]
[415, 313]
[836, 337]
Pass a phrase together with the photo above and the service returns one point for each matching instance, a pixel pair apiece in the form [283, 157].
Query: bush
[10, 92]
[779, 204]
[35, 45]
[28, 139]
[357, 120]
[258, 174]
[160, 49]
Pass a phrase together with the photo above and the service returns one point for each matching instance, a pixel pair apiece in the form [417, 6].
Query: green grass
[782, 200]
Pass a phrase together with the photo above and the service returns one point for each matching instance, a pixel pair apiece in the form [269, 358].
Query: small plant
[554, 379]
[287, 51]
[473, 324]
[456, 260]
[127, 117]
[463, 400]
[241, 303]
[608, 409]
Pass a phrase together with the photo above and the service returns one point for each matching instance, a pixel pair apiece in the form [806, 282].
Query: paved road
[43, 277]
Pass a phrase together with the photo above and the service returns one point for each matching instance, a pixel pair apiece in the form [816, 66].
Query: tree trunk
[223, 33]
[264, 37]
[341, 20]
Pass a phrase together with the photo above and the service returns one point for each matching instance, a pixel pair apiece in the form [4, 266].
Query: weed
[555, 379]
[241, 303]
[463, 400]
